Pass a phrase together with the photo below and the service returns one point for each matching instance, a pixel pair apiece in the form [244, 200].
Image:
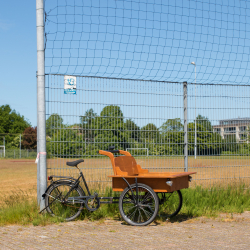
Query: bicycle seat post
[78, 168]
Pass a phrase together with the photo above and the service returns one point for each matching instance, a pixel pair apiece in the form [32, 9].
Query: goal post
[3, 149]
[133, 149]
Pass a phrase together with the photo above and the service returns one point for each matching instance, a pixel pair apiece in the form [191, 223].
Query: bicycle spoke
[172, 203]
[169, 196]
[147, 196]
[150, 208]
[57, 205]
[132, 214]
[54, 198]
[148, 214]
[142, 213]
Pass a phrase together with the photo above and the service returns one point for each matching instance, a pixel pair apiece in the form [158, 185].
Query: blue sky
[123, 39]
[150, 39]
[18, 57]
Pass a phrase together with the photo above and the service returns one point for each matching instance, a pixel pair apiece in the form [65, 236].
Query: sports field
[17, 175]
[21, 175]
[220, 170]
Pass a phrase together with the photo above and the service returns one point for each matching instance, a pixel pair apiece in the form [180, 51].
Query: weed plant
[210, 202]
[19, 208]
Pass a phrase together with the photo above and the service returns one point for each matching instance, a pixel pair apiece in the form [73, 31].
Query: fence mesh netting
[128, 61]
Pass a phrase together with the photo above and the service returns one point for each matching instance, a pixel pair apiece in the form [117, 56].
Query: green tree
[88, 125]
[208, 142]
[110, 127]
[53, 123]
[204, 122]
[14, 142]
[112, 115]
[132, 130]
[88, 118]
[172, 130]
[172, 125]
[230, 144]
[150, 133]
[66, 142]
[11, 123]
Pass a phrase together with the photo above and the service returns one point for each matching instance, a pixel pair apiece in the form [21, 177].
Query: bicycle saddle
[74, 163]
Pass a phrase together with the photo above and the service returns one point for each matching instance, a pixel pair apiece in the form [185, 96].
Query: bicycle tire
[58, 205]
[172, 204]
[145, 211]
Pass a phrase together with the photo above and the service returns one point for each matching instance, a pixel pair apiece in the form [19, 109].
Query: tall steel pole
[195, 132]
[195, 136]
[185, 127]
[42, 168]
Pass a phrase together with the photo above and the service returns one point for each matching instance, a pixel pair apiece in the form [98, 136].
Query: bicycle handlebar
[110, 151]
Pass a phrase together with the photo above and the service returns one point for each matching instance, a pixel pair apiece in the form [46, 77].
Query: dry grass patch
[210, 170]
[22, 174]
[18, 175]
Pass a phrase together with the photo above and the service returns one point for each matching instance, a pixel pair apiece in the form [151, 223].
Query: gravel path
[225, 232]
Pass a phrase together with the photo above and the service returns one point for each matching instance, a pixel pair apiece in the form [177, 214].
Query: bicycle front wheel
[138, 207]
[62, 200]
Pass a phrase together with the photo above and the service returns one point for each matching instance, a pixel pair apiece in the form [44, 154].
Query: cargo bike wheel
[171, 203]
[138, 205]
[61, 200]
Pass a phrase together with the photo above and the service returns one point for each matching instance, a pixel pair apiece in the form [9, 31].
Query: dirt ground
[224, 232]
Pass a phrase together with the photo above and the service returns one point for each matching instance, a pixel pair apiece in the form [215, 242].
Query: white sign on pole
[69, 85]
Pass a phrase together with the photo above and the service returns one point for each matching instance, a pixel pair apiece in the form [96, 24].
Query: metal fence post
[41, 101]
[20, 147]
[4, 145]
[185, 126]
[38, 165]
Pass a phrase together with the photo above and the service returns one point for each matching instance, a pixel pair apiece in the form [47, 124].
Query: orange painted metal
[158, 185]
[126, 166]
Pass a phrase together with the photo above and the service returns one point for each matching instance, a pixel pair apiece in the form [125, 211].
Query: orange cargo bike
[142, 191]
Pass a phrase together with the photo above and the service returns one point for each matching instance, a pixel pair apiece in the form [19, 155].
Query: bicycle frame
[75, 183]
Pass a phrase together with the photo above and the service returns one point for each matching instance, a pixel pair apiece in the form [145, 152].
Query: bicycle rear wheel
[171, 203]
[61, 200]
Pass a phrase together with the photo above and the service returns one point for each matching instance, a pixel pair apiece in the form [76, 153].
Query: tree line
[12, 125]
[95, 132]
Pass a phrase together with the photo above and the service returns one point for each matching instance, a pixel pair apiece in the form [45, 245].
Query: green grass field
[19, 208]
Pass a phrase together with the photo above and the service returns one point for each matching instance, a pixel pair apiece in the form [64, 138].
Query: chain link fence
[146, 118]
[114, 77]
[18, 154]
